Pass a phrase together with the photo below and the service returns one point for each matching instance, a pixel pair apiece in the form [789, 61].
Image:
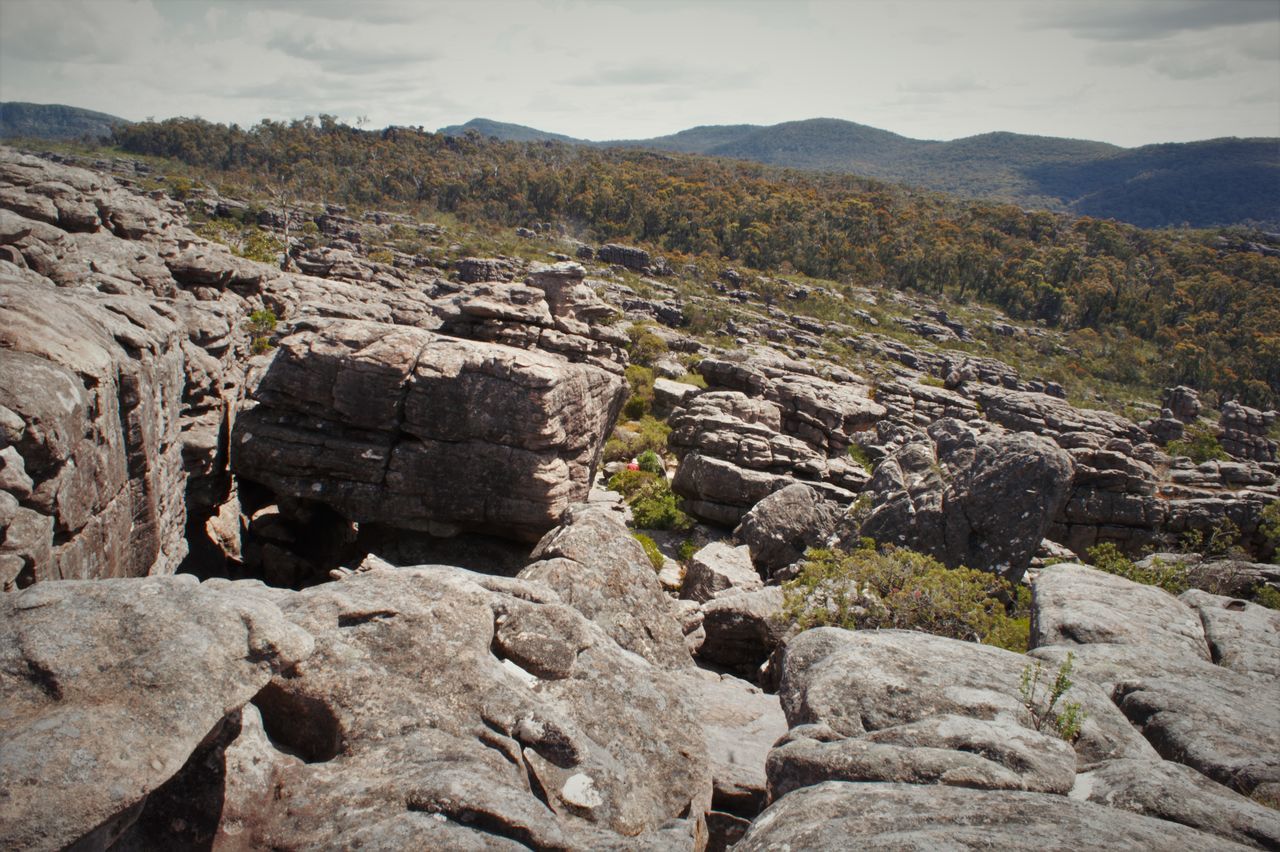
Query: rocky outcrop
[379, 421]
[596, 566]
[980, 498]
[779, 528]
[109, 686]
[1210, 709]
[1245, 430]
[912, 816]
[628, 256]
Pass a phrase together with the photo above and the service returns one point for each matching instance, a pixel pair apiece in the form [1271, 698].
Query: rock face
[109, 686]
[910, 816]
[1151, 651]
[969, 498]
[411, 429]
[1245, 430]
[783, 525]
[598, 568]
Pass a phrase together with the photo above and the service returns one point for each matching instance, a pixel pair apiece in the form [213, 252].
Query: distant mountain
[53, 121]
[508, 132]
[1215, 182]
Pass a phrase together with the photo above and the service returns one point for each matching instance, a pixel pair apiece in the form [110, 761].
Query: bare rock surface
[912, 816]
[720, 569]
[1150, 651]
[461, 709]
[779, 528]
[407, 428]
[742, 630]
[596, 566]
[108, 686]
[1177, 793]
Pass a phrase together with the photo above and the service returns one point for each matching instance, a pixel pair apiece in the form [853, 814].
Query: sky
[1129, 72]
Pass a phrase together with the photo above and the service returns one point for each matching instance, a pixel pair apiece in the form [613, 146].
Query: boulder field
[357, 588]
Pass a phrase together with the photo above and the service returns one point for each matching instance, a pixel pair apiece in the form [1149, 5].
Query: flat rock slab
[929, 817]
[108, 686]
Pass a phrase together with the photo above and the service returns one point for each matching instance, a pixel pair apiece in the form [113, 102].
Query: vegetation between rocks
[890, 587]
[1065, 722]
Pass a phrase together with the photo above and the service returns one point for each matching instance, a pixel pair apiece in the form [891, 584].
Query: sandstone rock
[110, 686]
[1242, 636]
[1173, 792]
[1149, 650]
[377, 421]
[598, 568]
[717, 570]
[919, 817]
[628, 256]
[783, 525]
[462, 711]
[742, 630]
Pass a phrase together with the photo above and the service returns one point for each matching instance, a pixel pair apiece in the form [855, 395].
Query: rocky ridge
[569, 703]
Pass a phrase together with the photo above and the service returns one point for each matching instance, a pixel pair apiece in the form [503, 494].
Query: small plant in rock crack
[261, 325]
[1067, 720]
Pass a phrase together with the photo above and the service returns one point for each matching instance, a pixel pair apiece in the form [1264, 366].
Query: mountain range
[1209, 183]
[53, 121]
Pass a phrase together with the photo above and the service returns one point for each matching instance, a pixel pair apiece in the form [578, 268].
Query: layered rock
[408, 428]
[1211, 709]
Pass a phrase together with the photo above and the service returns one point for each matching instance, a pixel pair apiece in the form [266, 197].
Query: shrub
[858, 454]
[646, 347]
[1268, 596]
[688, 547]
[1065, 723]
[261, 324]
[1200, 444]
[640, 403]
[899, 588]
[694, 379]
[650, 550]
[651, 462]
[1171, 577]
[631, 440]
[382, 255]
[1269, 526]
[654, 505]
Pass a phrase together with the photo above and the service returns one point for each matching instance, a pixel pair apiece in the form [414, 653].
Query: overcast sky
[1124, 71]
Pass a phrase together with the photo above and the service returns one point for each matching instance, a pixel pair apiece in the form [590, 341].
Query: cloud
[341, 56]
[950, 85]
[1193, 67]
[641, 74]
[1150, 19]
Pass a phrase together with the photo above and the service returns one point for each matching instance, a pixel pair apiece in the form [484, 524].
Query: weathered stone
[742, 630]
[783, 525]
[377, 421]
[920, 817]
[108, 686]
[597, 567]
[717, 570]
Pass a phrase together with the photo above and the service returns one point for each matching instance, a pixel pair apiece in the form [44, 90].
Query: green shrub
[899, 588]
[1171, 577]
[1268, 596]
[650, 550]
[859, 454]
[640, 403]
[646, 347]
[694, 379]
[382, 255]
[1065, 723]
[1269, 526]
[1200, 444]
[651, 462]
[654, 506]
[688, 547]
[630, 440]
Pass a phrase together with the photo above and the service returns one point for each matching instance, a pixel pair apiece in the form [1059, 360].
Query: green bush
[654, 506]
[650, 550]
[1171, 577]
[1268, 596]
[1200, 444]
[630, 440]
[651, 462]
[858, 454]
[688, 547]
[640, 403]
[646, 347]
[1065, 723]
[1269, 526]
[694, 379]
[899, 588]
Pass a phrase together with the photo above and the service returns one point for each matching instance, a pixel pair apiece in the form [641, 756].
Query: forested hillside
[1211, 303]
[1211, 183]
[54, 121]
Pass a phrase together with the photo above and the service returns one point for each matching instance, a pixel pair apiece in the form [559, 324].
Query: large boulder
[968, 497]
[783, 525]
[1151, 652]
[91, 390]
[109, 686]
[717, 570]
[461, 710]
[406, 428]
[596, 566]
